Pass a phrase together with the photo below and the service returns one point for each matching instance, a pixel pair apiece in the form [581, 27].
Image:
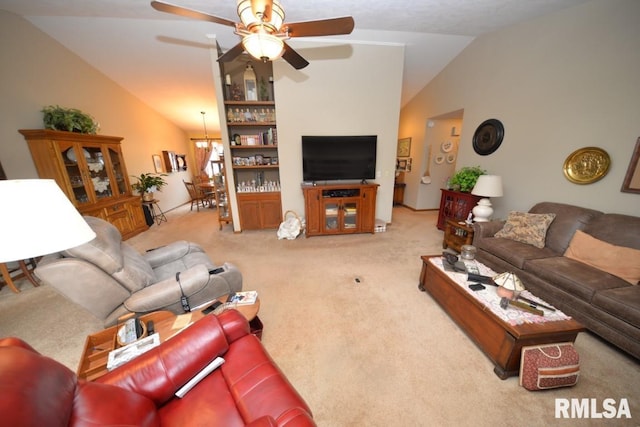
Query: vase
[147, 196]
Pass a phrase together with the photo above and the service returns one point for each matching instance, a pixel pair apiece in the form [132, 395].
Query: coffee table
[501, 341]
[95, 355]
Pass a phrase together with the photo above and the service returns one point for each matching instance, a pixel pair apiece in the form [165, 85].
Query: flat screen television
[333, 158]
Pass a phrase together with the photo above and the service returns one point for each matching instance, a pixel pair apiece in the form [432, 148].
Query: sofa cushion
[617, 229]
[515, 253]
[526, 228]
[573, 277]
[568, 219]
[623, 303]
[618, 260]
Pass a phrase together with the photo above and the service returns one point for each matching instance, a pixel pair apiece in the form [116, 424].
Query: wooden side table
[93, 362]
[398, 193]
[457, 234]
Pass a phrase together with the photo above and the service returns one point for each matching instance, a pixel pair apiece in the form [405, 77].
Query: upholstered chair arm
[171, 252]
[168, 292]
[487, 229]
[160, 372]
[197, 284]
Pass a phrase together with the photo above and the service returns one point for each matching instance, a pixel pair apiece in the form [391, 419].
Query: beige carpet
[374, 353]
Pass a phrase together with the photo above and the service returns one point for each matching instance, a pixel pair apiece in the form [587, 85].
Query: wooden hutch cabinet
[90, 170]
[340, 208]
[455, 205]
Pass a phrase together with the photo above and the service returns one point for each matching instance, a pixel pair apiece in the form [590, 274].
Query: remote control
[150, 328]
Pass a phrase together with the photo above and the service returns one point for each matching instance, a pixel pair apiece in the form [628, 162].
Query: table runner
[490, 299]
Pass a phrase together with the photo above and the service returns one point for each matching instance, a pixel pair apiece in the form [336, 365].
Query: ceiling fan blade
[190, 13]
[232, 53]
[323, 27]
[294, 58]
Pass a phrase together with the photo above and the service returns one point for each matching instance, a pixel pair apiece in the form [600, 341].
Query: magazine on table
[243, 298]
[131, 351]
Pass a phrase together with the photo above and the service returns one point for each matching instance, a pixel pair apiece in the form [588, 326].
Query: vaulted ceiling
[166, 62]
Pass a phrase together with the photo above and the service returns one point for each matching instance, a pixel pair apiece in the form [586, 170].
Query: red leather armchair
[248, 389]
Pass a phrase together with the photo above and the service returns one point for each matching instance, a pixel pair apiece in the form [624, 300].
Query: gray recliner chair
[109, 278]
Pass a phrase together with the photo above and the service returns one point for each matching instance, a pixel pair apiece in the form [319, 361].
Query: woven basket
[291, 226]
[295, 215]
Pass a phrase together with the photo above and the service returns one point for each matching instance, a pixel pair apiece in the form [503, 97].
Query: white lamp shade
[262, 45]
[38, 219]
[509, 285]
[488, 186]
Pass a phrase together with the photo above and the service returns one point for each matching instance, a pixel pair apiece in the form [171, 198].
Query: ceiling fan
[263, 29]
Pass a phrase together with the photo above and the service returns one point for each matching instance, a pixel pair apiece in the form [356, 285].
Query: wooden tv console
[340, 208]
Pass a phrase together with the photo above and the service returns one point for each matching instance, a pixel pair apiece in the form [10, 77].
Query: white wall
[349, 89]
[425, 154]
[558, 83]
[37, 71]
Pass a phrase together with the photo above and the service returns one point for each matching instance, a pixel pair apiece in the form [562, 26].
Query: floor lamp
[38, 219]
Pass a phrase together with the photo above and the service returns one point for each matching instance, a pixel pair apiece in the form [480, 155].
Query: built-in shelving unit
[253, 144]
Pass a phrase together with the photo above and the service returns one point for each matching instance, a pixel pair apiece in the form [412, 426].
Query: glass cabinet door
[331, 214]
[350, 215]
[70, 157]
[118, 171]
[97, 172]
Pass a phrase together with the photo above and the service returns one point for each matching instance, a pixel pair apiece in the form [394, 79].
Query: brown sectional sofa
[605, 304]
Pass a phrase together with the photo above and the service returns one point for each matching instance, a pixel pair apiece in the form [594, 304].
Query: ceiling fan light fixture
[271, 17]
[263, 46]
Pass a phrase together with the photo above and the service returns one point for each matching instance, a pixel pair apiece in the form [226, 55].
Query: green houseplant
[148, 183]
[465, 178]
[68, 119]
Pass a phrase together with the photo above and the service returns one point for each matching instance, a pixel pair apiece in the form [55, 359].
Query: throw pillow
[620, 261]
[527, 228]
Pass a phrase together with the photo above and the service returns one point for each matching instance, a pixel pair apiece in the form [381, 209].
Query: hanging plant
[68, 119]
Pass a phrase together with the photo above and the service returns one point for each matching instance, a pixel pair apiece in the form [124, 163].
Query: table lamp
[509, 285]
[486, 186]
[38, 219]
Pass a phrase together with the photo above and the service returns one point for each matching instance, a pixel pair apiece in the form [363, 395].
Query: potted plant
[148, 183]
[465, 179]
[68, 119]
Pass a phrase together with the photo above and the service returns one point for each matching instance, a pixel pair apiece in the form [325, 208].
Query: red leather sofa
[247, 390]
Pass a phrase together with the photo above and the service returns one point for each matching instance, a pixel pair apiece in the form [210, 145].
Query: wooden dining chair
[197, 197]
[17, 270]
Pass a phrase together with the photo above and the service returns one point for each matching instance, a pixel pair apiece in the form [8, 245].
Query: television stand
[340, 208]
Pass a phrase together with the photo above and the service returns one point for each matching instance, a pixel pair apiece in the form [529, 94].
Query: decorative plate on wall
[439, 159]
[586, 165]
[447, 146]
[488, 137]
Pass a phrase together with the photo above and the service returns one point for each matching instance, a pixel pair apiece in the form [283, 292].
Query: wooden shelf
[253, 147]
[254, 124]
[251, 103]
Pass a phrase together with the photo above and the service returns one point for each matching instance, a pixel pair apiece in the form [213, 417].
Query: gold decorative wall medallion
[586, 165]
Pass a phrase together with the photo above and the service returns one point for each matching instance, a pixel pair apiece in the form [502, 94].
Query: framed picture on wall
[404, 147]
[631, 183]
[403, 165]
[157, 163]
